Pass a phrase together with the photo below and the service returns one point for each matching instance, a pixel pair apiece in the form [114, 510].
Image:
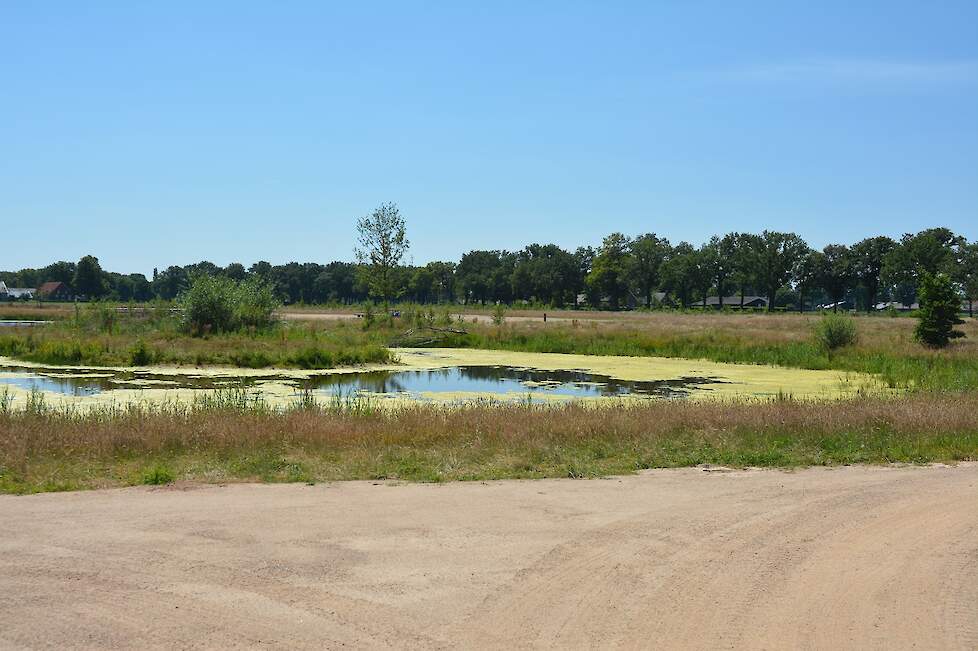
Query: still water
[488, 380]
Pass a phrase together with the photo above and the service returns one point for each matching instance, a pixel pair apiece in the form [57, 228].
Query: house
[53, 291]
[19, 293]
[733, 302]
[835, 307]
[634, 300]
[896, 305]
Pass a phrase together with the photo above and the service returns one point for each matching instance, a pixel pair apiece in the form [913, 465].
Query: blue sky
[151, 134]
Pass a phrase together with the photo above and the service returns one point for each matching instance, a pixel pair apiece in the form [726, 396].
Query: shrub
[499, 314]
[939, 306]
[209, 305]
[157, 476]
[255, 304]
[140, 354]
[835, 331]
[218, 304]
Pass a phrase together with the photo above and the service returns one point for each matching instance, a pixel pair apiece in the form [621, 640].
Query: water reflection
[491, 380]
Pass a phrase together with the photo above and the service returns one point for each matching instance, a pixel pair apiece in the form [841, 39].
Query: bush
[157, 476]
[939, 306]
[209, 305]
[499, 314]
[255, 304]
[140, 354]
[835, 331]
[218, 304]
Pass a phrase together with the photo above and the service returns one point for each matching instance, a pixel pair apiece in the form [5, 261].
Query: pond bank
[440, 376]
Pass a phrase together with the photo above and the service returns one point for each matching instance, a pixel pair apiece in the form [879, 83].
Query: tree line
[622, 272]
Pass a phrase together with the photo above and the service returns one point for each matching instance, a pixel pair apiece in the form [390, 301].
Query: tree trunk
[801, 302]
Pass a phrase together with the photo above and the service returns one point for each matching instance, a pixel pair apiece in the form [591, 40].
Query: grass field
[229, 439]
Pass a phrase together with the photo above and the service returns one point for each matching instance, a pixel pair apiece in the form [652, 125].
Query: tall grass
[143, 339]
[885, 346]
[233, 437]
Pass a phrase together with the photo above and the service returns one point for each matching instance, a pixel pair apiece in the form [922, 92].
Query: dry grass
[36, 311]
[50, 451]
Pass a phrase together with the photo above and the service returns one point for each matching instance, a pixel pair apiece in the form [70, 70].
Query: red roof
[51, 287]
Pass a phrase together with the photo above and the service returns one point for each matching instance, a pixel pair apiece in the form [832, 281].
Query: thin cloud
[857, 70]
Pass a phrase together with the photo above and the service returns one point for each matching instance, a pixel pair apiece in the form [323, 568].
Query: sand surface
[858, 557]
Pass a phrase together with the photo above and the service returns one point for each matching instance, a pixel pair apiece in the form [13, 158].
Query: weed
[157, 476]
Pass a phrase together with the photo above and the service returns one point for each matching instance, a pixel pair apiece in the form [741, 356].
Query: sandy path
[821, 558]
[557, 317]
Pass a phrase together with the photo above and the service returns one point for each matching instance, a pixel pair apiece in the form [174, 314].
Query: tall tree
[235, 271]
[584, 257]
[838, 273]
[777, 255]
[679, 272]
[648, 252]
[88, 278]
[868, 256]
[381, 245]
[609, 273]
[744, 262]
[704, 262]
[808, 275]
[968, 275]
[719, 257]
[475, 275]
[170, 282]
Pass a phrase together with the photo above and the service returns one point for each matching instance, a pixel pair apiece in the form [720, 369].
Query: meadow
[231, 437]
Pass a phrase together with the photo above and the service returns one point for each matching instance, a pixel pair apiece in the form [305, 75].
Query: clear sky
[156, 133]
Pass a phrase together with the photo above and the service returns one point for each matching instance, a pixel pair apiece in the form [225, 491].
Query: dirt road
[821, 558]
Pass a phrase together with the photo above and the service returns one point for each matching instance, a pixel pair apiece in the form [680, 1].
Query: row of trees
[622, 271]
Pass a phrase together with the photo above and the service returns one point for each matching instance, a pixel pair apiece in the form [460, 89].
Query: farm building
[733, 302]
[15, 293]
[53, 291]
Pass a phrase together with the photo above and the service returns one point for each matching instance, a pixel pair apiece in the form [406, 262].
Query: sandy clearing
[467, 317]
[858, 557]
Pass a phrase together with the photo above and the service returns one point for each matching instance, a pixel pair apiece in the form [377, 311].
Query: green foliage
[157, 475]
[939, 306]
[369, 316]
[208, 306]
[835, 331]
[215, 304]
[140, 354]
[498, 314]
[609, 272]
[255, 304]
[381, 244]
[88, 279]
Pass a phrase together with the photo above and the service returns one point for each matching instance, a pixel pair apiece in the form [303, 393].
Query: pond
[446, 375]
[419, 384]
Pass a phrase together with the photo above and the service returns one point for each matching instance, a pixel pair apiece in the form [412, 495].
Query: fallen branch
[404, 338]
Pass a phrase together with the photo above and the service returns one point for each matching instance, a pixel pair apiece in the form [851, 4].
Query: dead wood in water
[437, 335]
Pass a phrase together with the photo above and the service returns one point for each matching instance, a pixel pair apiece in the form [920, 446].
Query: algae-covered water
[439, 375]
